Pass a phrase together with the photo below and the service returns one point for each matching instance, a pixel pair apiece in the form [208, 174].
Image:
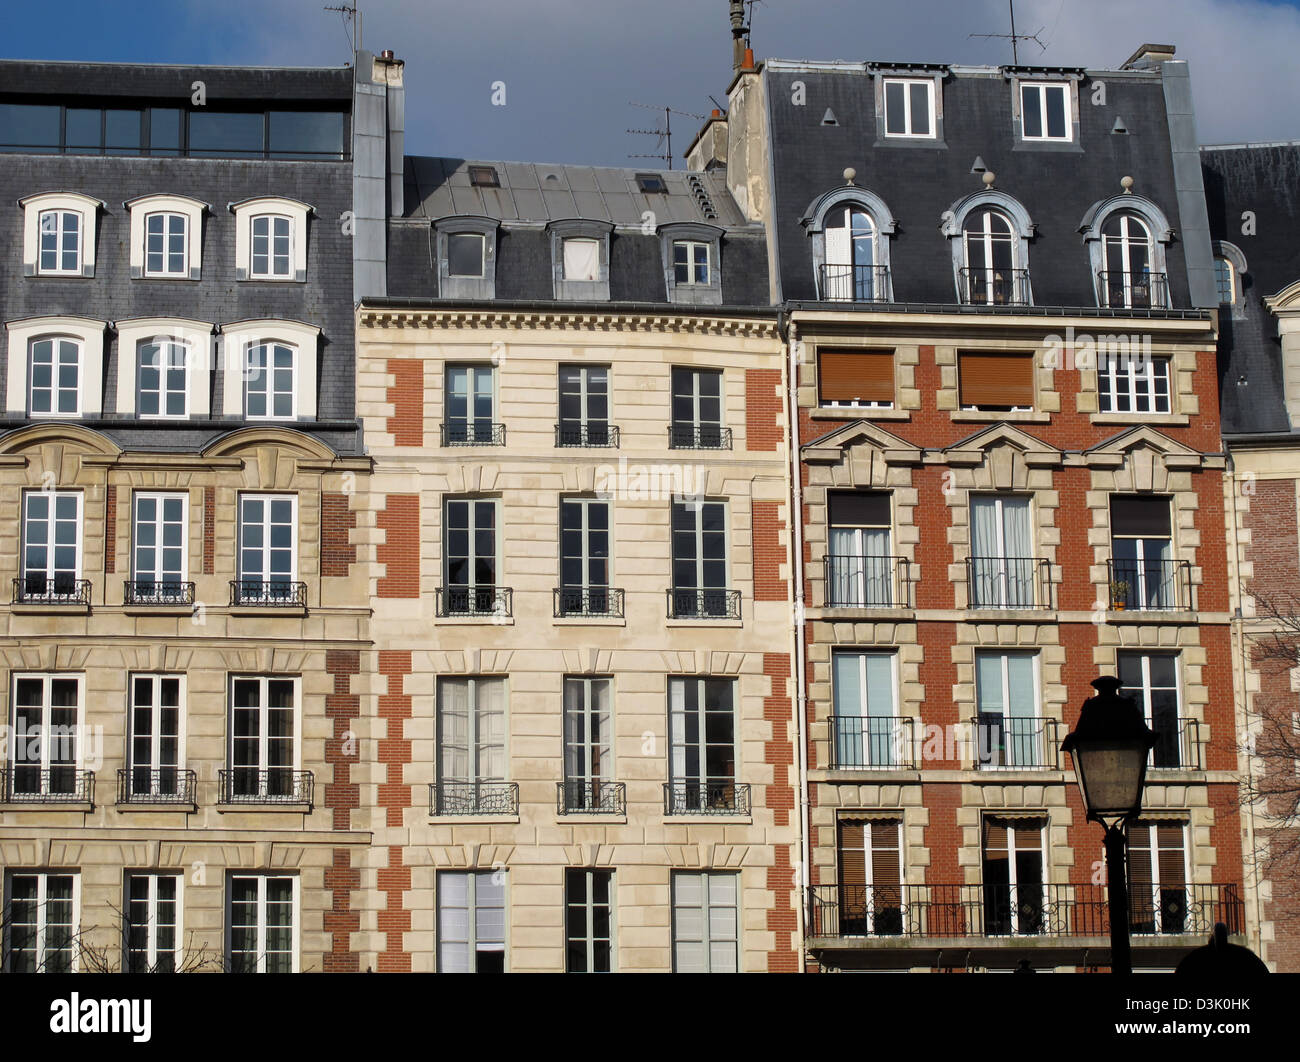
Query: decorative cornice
[611, 321]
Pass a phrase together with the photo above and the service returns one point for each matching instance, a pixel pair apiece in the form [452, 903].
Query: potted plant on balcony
[1118, 594]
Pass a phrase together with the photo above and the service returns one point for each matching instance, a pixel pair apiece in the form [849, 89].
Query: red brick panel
[209, 530]
[342, 796]
[110, 529]
[763, 429]
[336, 552]
[394, 752]
[400, 551]
[769, 553]
[779, 753]
[1275, 545]
[407, 397]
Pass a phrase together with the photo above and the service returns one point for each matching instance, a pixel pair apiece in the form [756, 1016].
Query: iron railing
[156, 785]
[1150, 585]
[1177, 747]
[474, 798]
[868, 581]
[23, 783]
[706, 798]
[699, 437]
[1009, 582]
[588, 601]
[872, 743]
[703, 604]
[995, 287]
[590, 798]
[36, 588]
[854, 283]
[472, 433]
[475, 601]
[268, 593]
[1010, 742]
[594, 434]
[1133, 290]
[265, 785]
[155, 592]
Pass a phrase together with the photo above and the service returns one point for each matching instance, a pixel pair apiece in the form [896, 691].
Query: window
[471, 407]
[270, 388]
[702, 739]
[268, 548]
[690, 262]
[269, 370]
[859, 378]
[484, 177]
[691, 257]
[152, 923]
[59, 234]
[865, 726]
[262, 923]
[1014, 876]
[1009, 732]
[271, 239]
[159, 548]
[471, 742]
[55, 377]
[588, 921]
[1045, 111]
[164, 379]
[45, 753]
[263, 739]
[706, 922]
[471, 921]
[650, 183]
[588, 744]
[584, 407]
[156, 755]
[61, 242]
[699, 530]
[697, 410]
[584, 556]
[1225, 280]
[41, 927]
[1230, 276]
[471, 557]
[1158, 875]
[1151, 679]
[871, 870]
[909, 108]
[1132, 383]
[465, 254]
[55, 367]
[1143, 571]
[995, 382]
[271, 246]
[466, 257]
[859, 568]
[850, 272]
[165, 248]
[1003, 571]
[1128, 279]
[581, 259]
[52, 546]
[992, 275]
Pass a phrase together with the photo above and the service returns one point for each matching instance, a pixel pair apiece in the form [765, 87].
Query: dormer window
[1230, 276]
[163, 369]
[1045, 112]
[271, 246]
[1126, 237]
[484, 177]
[271, 239]
[59, 234]
[850, 229]
[61, 242]
[1225, 281]
[55, 367]
[690, 262]
[580, 258]
[166, 237]
[692, 253]
[909, 108]
[990, 233]
[269, 370]
[467, 252]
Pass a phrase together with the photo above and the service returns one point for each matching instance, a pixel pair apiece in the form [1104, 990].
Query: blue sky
[571, 67]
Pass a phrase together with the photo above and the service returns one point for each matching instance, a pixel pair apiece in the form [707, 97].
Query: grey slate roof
[162, 81]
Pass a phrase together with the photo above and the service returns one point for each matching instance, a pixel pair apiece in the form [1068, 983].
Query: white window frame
[584, 533]
[705, 907]
[1186, 755]
[146, 206]
[267, 371]
[473, 501]
[1121, 372]
[907, 83]
[472, 909]
[697, 373]
[472, 370]
[589, 938]
[170, 222]
[272, 244]
[691, 265]
[1126, 241]
[1153, 851]
[155, 679]
[194, 336]
[263, 206]
[895, 738]
[1041, 88]
[473, 758]
[262, 878]
[33, 206]
[56, 350]
[42, 924]
[584, 394]
[677, 743]
[869, 863]
[266, 499]
[1004, 823]
[51, 520]
[160, 497]
[238, 342]
[168, 350]
[151, 951]
[696, 506]
[1039, 738]
[263, 766]
[22, 333]
[588, 774]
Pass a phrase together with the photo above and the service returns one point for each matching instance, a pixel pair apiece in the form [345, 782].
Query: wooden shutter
[1172, 862]
[886, 874]
[1139, 515]
[853, 858]
[856, 376]
[996, 380]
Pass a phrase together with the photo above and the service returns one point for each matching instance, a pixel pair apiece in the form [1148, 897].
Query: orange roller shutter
[993, 380]
[856, 376]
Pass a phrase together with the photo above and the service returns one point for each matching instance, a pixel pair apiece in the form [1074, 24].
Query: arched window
[55, 376]
[991, 274]
[1127, 279]
[1230, 277]
[1225, 280]
[850, 271]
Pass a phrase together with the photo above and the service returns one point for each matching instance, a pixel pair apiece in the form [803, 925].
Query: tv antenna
[664, 136]
[1014, 37]
[351, 15]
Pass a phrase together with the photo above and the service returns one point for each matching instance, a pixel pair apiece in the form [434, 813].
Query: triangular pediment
[1142, 435]
[974, 448]
[830, 448]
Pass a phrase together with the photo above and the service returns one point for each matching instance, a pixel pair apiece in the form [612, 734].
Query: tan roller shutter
[856, 376]
[853, 862]
[992, 381]
[886, 873]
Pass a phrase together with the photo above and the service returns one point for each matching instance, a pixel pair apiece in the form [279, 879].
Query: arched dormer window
[990, 234]
[1126, 237]
[1230, 276]
[850, 229]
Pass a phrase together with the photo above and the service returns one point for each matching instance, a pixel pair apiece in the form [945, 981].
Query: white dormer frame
[296, 211]
[86, 331]
[196, 336]
[33, 206]
[239, 337]
[191, 209]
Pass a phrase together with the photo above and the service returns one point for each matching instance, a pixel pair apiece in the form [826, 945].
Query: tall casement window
[262, 923]
[54, 375]
[471, 407]
[865, 725]
[45, 752]
[995, 382]
[163, 379]
[60, 242]
[272, 247]
[697, 410]
[268, 550]
[1132, 383]
[860, 378]
[702, 740]
[52, 547]
[1143, 572]
[691, 263]
[471, 557]
[264, 740]
[1045, 111]
[1151, 679]
[859, 565]
[166, 245]
[584, 557]
[850, 272]
[584, 407]
[472, 747]
[157, 759]
[271, 384]
[699, 589]
[471, 921]
[871, 873]
[992, 274]
[588, 921]
[159, 549]
[1003, 571]
[152, 926]
[1127, 281]
[1008, 732]
[40, 924]
[588, 746]
[706, 922]
[1015, 864]
[909, 108]
[1225, 280]
[1158, 874]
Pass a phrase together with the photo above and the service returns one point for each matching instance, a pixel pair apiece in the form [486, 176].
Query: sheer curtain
[986, 547]
[1020, 569]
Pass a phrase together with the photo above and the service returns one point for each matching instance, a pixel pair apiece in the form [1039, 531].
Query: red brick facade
[407, 397]
[769, 553]
[400, 550]
[209, 530]
[342, 796]
[763, 429]
[393, 753]
[110, 529]
[337, 521]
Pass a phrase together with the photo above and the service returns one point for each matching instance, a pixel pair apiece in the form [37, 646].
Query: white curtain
[677, 728]
[839, 258]
[453, 730]
[490, 720]
[1015, 533]
[581, 260]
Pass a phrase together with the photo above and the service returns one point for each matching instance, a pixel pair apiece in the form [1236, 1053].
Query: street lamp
[1109, 747]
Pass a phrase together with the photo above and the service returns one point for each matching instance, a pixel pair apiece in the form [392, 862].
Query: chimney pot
[749, 58]
[386, 55]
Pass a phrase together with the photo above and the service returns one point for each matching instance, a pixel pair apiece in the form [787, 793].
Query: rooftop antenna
[1015, 37]
[351, 15]
[664, 135]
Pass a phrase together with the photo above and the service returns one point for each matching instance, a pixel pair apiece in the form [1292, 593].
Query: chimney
[739, 36]
[1149, 57]
[708, 151]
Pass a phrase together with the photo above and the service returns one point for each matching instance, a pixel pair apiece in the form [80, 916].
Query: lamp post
[1109, 746]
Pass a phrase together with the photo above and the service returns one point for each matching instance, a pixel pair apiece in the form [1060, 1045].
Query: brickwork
[763, 417]
[337, 551]
[400, 551]
[406, 394]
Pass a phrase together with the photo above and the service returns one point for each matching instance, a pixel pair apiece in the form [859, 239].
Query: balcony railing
[596, 435]
[590, 798]
[497, 601]
[1009, 582]
[1178, 746]
[1150, 585]
[872, 742]
[995, 287]
[474, 798]
[264, 785]
[22, 783]
[1011, 742]
[703, 604]
[473, 433]
[154, 592]
[854, 283]
[577, 601]
[268, 593]
[156, 785]
[699, 437]
[849, 911]
[1134, 291]
[868, 581]
[706, 798]
[36, 588]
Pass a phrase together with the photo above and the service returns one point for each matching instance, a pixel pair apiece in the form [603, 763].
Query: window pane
[465, 255]
[25, 126]
[122, 132]
[895, 107]
[1032, 110]
[920, 94]
[217, 133]
[1056, 112]
[164, 131]
[82, 127]
[306, 134]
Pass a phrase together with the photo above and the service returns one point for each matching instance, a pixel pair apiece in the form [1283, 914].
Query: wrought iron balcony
[1009, 742]
[1133, 290]
[474, 798]
[473, 433]
[590, 798]
[699, 437]
[156, 785]
[844, 912]
[592, 435]
[706, 798]
[577, 601]
[703, 604]
[872, 743]
[37, 588]
[495, 601]
[1008, 582]
[155, 592]
[1150, 585]
[23, 783]
[868, 581]
[1178, 746]
[265, 785]
[853, 283]
[268, 593]
[995, 287]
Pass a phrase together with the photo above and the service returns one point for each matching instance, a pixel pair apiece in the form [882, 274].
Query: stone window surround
[87, 332]
[197, 338]
[1146, 211]
[1235, 255]
[814, 222]
[953, 220]
[191, 209]
[1017, 77]
[239, 336]
[879, 73]
[34, 205]
[583, 228]
[907, 398]
[245, 210]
